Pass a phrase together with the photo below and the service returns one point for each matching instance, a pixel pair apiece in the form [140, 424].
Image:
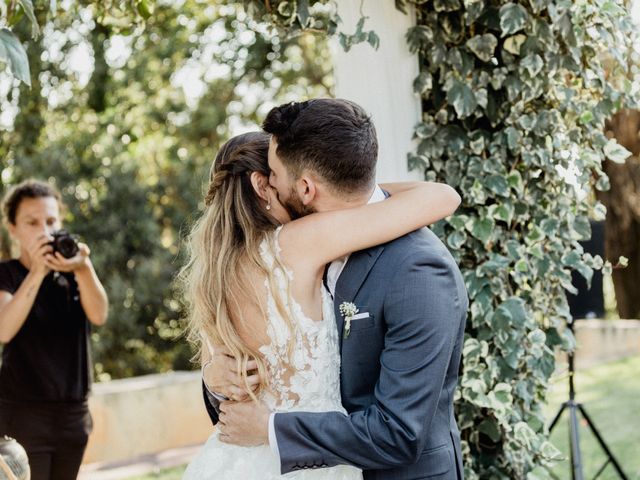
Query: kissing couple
[329, 321]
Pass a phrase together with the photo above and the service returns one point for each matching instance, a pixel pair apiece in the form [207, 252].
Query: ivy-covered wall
[515, 95]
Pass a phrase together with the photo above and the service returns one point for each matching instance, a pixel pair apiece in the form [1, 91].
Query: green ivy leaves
[446, 5]
[482, 228]
[483, 46]
[501, 119]
[419, 37]
[423, 83]
[359, 36]
[513, 18]
[616, 152]
[514, 44]
[462, 98]
[532, 64]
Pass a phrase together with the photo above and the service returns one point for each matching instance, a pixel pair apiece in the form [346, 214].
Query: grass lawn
[610, 394]
[168, 474]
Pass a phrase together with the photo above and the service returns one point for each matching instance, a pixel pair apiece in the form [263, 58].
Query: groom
[400, 361]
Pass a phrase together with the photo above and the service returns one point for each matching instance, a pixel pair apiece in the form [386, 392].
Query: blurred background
[125, 118]
[126, 122]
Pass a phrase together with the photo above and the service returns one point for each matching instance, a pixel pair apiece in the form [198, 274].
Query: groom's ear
[260, 184]
[307, 189]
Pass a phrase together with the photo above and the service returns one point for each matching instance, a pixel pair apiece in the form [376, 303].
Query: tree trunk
[622, 227]
[100, 78]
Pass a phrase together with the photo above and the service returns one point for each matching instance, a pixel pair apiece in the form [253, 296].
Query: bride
[254, 286]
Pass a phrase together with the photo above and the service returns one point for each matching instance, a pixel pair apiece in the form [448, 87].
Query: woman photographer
[46, 304]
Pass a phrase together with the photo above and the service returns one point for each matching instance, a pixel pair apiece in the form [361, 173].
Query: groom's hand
[245, 423]
[221, 376]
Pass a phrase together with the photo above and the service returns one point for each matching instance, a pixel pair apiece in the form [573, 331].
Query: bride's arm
[322, 237]
[393, 188]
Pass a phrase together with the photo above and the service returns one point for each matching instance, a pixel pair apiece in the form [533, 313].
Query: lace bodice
[309, 378]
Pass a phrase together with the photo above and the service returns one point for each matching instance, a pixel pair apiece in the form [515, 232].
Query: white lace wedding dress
[309, 382]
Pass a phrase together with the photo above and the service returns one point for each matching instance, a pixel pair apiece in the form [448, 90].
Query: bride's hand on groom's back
[221, 376]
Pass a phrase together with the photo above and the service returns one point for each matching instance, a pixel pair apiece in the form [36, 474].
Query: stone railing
[142, 415]
[601, 341]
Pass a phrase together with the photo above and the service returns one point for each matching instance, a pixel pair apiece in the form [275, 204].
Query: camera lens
[64, 243]
[67, 247]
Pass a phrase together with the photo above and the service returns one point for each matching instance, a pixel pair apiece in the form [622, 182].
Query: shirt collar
[377, 195]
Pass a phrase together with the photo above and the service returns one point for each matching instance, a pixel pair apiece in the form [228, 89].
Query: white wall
[381, 81]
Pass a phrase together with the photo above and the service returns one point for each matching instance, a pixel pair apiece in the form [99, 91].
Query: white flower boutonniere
[348, 311]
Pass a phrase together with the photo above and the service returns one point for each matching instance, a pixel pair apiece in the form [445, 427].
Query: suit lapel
[351, 279]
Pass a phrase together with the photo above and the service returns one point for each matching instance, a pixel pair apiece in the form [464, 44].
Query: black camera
[65, 243]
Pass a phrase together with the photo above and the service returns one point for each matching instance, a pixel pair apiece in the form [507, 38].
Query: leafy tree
[13, 56]
[130, 143]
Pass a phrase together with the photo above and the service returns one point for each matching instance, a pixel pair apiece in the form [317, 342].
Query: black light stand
[574, 437]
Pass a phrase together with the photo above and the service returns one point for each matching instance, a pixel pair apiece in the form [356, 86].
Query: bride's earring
[268, 206]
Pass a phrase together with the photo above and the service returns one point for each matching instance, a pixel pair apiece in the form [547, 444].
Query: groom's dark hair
[332, 137]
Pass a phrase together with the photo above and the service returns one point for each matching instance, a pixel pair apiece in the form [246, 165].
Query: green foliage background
[516, 106]
[130, 143]
[514, 96]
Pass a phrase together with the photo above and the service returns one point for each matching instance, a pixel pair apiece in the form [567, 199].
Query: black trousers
[54, 436]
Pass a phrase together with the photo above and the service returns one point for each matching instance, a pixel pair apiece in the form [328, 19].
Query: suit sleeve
[422, 310]
[211, 403]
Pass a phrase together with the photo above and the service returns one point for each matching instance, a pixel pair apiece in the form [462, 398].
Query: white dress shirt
[333, 273]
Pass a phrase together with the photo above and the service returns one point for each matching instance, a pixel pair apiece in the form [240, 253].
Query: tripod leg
[602, 443]
[574, 440]
[557, 417]
[604, 465]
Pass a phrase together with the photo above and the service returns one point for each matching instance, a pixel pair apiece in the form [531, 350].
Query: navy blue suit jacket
[399, 369]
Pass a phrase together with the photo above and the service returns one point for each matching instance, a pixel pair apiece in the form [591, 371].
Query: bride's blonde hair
[224, 242]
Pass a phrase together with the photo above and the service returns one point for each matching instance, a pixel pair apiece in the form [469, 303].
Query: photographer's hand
[93, 297]
[80, 261]
[40, 251]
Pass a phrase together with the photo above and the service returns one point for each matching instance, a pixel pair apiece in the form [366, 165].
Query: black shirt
[48, 359]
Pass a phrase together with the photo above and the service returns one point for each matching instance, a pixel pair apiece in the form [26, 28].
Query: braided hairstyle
[224, 244]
